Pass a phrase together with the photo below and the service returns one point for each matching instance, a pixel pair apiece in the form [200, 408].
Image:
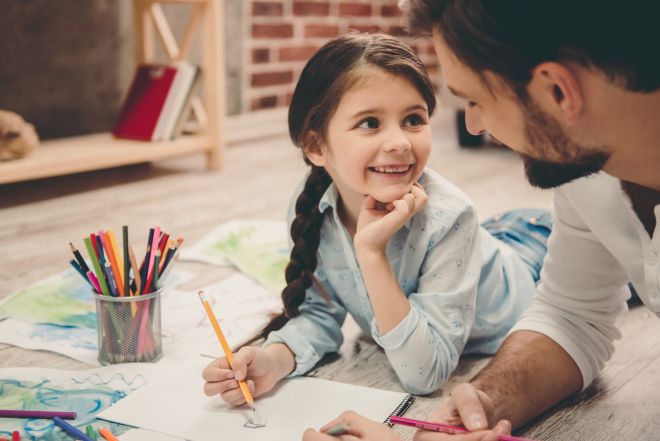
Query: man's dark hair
[511, 37]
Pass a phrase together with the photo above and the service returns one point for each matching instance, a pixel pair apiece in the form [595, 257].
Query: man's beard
[544, 134]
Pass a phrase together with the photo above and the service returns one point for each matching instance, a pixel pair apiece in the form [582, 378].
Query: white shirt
[597, 245]
[466, 290]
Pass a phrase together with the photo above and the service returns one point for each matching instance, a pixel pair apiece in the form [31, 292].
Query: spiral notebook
[175, 405]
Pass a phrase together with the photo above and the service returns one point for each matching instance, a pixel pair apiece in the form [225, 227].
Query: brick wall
[281, 35]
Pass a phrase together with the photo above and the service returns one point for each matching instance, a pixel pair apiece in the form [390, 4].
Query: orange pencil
[225, 347]
[110, 254]
[105, 433]
[118, 257]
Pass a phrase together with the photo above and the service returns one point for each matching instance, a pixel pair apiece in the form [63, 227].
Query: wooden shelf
[94, 152]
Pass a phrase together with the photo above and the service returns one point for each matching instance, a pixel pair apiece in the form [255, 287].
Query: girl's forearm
[284, 361]
[388, 301]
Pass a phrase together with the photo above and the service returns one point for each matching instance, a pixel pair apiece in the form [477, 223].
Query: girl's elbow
[424, 384]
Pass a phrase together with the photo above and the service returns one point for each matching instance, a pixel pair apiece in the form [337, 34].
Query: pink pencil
[95, 282]
[444, 428]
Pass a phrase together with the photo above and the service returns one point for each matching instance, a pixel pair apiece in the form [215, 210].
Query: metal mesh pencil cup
[129, 328]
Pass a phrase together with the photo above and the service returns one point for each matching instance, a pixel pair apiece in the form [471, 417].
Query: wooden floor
[38, 219]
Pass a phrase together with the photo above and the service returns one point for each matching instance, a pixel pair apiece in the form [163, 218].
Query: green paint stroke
[64, 300]
[263, 261]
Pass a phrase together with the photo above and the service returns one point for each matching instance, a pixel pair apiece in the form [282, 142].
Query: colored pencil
[338, 429]
[136, 270]
[111, 279]
[127, 263]
[156, 266]
[99, 246]
[15, 436]
[225, 347]
[46, 414]
[163, 242]
[143, 265]
[112, 260]
[79, 258]
[92, 238]
[168, 256]
[444, 428]
[120, 262]
[152, 256]
[70, 430]
[94, 281]
[105, 433]
[96, 265]
[168, 269]
[76, 266]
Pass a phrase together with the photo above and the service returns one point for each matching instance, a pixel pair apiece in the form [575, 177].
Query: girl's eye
[414, 120]
[471, 103]
[368, 123]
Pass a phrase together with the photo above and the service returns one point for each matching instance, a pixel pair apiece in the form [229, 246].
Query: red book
[144, 104]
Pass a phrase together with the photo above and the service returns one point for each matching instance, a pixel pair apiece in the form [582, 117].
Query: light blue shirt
[466, 290]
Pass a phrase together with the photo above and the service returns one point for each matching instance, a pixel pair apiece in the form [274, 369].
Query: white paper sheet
[241, 306]
[176, 405]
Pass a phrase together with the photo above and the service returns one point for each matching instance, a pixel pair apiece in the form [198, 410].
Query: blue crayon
[70, 430]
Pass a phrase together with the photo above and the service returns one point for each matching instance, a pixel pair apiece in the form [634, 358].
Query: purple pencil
[47, 414]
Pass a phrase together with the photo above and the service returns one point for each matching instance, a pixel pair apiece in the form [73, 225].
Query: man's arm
[529, 374]
[562, 340]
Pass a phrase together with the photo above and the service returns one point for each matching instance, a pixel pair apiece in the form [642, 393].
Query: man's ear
[557, 90]
[313, 148]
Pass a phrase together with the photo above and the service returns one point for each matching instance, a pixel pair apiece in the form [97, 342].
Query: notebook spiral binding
[401, 409]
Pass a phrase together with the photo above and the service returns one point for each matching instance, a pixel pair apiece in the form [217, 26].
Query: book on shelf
[157, 102]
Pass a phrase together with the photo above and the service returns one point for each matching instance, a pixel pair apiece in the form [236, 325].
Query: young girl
[377, 235]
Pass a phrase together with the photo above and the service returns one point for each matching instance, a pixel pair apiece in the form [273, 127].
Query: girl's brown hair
[324, 80]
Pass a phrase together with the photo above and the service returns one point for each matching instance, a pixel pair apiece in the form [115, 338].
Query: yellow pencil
[225, 347]
[136, 270]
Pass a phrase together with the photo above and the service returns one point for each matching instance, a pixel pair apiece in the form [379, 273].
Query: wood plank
[93, 152]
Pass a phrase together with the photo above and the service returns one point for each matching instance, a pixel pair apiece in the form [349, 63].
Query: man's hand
[471, 408]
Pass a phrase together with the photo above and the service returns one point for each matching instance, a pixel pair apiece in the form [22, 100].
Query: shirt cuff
[305, 355]
[397, 336]
[566, 343]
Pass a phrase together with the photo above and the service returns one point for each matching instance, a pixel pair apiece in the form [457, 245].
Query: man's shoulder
[598, 188]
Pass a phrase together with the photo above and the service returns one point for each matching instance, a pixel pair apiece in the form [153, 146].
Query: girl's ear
[313, 148]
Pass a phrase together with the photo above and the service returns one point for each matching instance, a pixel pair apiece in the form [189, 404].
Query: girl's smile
[378, 141]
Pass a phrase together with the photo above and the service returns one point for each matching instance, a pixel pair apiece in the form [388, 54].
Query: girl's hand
[258, 367]
[375, 226]
[359, 428]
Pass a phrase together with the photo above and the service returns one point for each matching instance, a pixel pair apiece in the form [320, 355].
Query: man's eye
[368, 123]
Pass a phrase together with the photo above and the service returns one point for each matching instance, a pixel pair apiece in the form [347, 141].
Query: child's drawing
[73, 341]
[258, 248]
[84, 392]
[64, 299]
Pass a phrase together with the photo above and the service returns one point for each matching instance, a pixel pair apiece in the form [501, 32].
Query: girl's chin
[387, 197]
